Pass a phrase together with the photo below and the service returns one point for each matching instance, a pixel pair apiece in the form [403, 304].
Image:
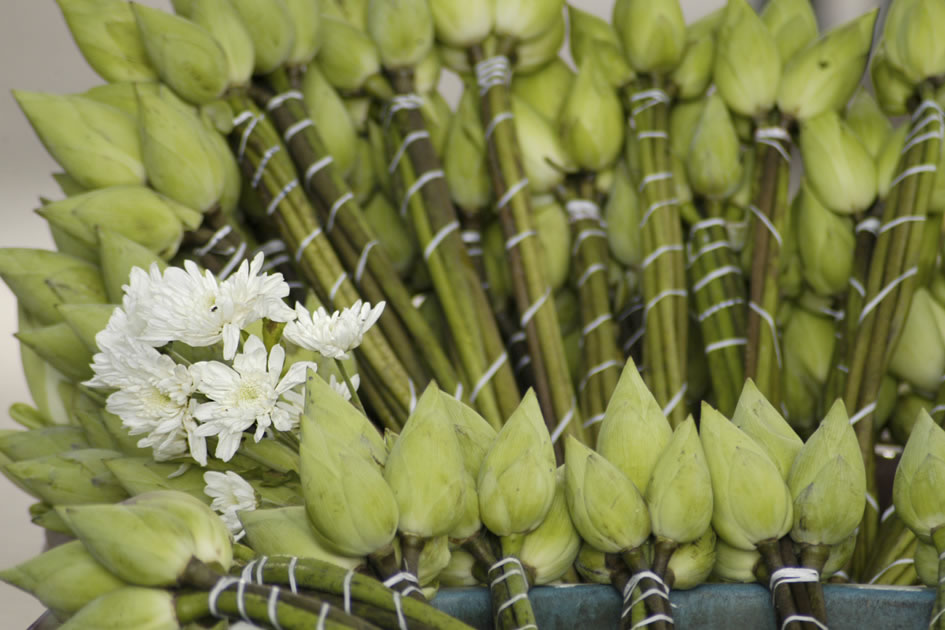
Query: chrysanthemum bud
[270, 26]
[128, 607]
[464, 157]
[747, 63]
[917, 486]
[591, 121]
[692, 563]
[402, 30]
[653, 33]
[622, 214]
[334, 125]
[694, 72]
[758, 419]
[306, 18]
[712, 160]
[220, 19]
[752, 503]
[913, 39]
[893, 89]
[591, 35]
[347, 56]
[551, 549]
[462, 23]
[919, 356]
[839, 167]
[792, 23]
[287, 531]
[525, 19]
[733, 564]
[868, 121]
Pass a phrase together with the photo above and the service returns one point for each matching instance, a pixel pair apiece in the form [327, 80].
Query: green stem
[351, 388]
[799, 590]
[657, 603]
[815, 557]
[783, 601]
[938, 613]
[511, 607]
[663, 551]
[410, 549]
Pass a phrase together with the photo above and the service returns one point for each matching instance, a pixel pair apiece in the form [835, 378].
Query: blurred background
[38, 54]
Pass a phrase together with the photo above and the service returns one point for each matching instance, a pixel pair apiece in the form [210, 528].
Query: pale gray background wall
[37, 53]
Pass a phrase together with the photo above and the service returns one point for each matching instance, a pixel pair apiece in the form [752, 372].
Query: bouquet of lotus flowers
[316, 342]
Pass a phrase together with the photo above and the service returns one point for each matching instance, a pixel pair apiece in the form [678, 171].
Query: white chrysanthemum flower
[342, 388]
[335, 335]
[249, 393]
[255, 295]
[121, 355]
[231, 494]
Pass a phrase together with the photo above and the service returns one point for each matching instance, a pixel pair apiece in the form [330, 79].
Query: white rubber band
[870, 224]
[565, 421]
[803, 619]
[242, 117]
[409, 139]
[582, 209]
[362, 260]
[765, 315]
[887, 513]
[928, 104]
[767, 222]
[597, 369]
[924, 137]
[858, 287]
[632, 341]
[594, 323]
[591, 270]
[531, 310]
[872, 502]
[886, 290]
[241, 600]
[337, 285]
[402, 102]
[661, 296]
[705, 249]
[312, 170]
[292, 562]
[715, 308]
[322, 615]
[922, 124]
[518, 238]
[422, 181]
[347, 590]
[281, 196]
[913, 170]
[437, 239]
[274, 262]
[518, 337]
[912, 218]
[650, 97]
[247, 573]
[413, 395]
[726, 343]
[651, 620]
[492, 72]
[895, 563]
[656, 205]
[862, 413]
[306, 242]
[652, 135]
[773, 137]
[295, 128]
[498, 118]
[218, 236]
[400, 576]
[487, 376]
[263, 163]
[675, 400]
[639, 577]
[271, 608]
[515, 189]
[222, 584]
[659, 251]
[244, 139]
[279, 99]
[234, 260]
[594, 419]
[510, 602]
[791, 575]
[654, 177]
[656, 590]
[333, 212]
[714, 275]
[585, 234]
[398, 607]
[506, 575]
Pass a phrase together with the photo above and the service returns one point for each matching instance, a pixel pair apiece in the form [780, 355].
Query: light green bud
[634, 430]
[64, 579]
[919, 355]
[468, 522]
[543, 154]
[653, 33]
[551, 549]
[118, 254]
[464, 156]
[363, 178]
[591, 563]
[516, 481]
[591, 122]
[185, 55]
[287, 531]
[554, 234]
[181, 159]
[67, 184]
[271, 28]
[712, 160]
[694, 73]
[826, 244]
[391, 231]
[807, 343]
[334, 125]
[95, 143]
[905, 413]
[221, 20]
[434, 558]
[839, 168]
[232, 178]
[138, 475]
[306, 18]
[354, 12]
[868, 121]
[752, 503]
[426, 76]
[792, 23]
[839, 557]
[679, 494]
[545, 89]
[606, 507]
[893, 89]
[828, 482]
[402, 30]
[684, 117]
[425, 470]
[475, 435]
[459, 572]
[20, 445]
[917, 486]
[747, 67]
[733, 564]
[692, 563]
[347, 56]
[69, 478]
[759, 420]
[437, 115]
[59, 345]
[591, 35]
[525, 19]
[926, 564]
[913, 39]
[129, 607]
[108, 38]
[887, 162]
[123, 95]
[622, 215]
[532, 54]
[810, 85]
[462, 24]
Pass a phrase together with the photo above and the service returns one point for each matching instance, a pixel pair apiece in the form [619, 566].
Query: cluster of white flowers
[230, 495]
[177, 406]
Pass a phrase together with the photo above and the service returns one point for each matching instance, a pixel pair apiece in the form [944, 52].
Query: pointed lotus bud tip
[842, 172]
[402, 30]
[747, 62]
[792, 23]
[919, 477]
[712, 160]
[653, 33]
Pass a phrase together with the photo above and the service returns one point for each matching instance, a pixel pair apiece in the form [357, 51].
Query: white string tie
[332, 213]
[281, 196]
[438, 238]
[862, 413]
[218, 236]
[257, 176]
[244, 139]
[492, 72]
[422, 181]
[402, 102]
[347, 590]
[516, 188]
[659, 251]
[409, 139]
[296, 128]
[895, 563]
[585, 234]
[765, 315]
[886, 291]
[312, 170]
[675, 400]
[565, 421]
[234, 260]
[322, 615]
[597, 369]
[292, 585]
[591, 270]
[362, 260]
[715, 274]
[715, 308]
[498, 118]
[531, 310]
[654, 177]
[279, 99]
[767, 222]
[913, 170]
[272, 610]
[912, 218]
[222, 584]
[725, 343]
[656, 205]
[337, 285]
[581, 209]
[487, 376]
[518, 238]
[306, 242]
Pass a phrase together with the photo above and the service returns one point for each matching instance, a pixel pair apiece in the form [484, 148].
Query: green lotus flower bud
[809, 86]
[926, 564]
[591, 122]
[464, 156]
[462, 24]
[752, 503]
[591, 35]
[912, 39]
[108, 38]
[712, 160]
[793, 25]
[121, 95]
[334, 125]
[694, 73]
[129, 607]
[868, 121]
[221, 20]
[140, 475]
[20, 445]
[747, 62]
[64, 579]
[354, 12]
[591, 564]
[634, 430]
[839, 168]
[919, 355]
[434, 558]
[391, 231]
[402, 30]
[679, 494]
[347, 56]
[306, 17]
[916, 487]
[691, 564]
[758, 419]
[544, 157]
[58, 345]
[516, 481]
[653, 33]
[887, 162]
[828, 482]
[735, 565]
[622, 215]
[807, 343]
[839, 558]
[826, 244]
[525, 19]
[546, 89]
[118, 254]
[427, 73]
[69, 478]
[893, 89]
[348, 500]
[475, 435]
[554, 234]
[906, 412]
[550, 549]
[95, 143]
[271, 27]
[468, 522]
[605, 506]
[459, 572]
[185, 55]
[437, 116]
[287, 531]
[532, 54]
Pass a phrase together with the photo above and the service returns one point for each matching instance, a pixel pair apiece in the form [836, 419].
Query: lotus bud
[752, 503]
[434, 558]
[95, 143]
[868, 121]
[86, 321]
[185, 55]
[905, 414]
[460, 570]
[462, 24]
[887, 162]
[591, 35]
[516, 481]
[546, 89]
[334, 125]
[808, 343]
[694, 73]
[271, 27]
[810, 86]
[840, 170]
[793, 25]
[59, 345]
[221, 20]
[839, 558]
[391, 231]
[464, 156]
[550, 550]
[287, 531]
[653, 33]
[68, 478]
[437, 116]
[468, 522]
[354, 12]
[402, 30]
[524, 19]
[425, 470]
[828, 482]
[128, 607]
[121, 95]
[306, 17]
[918, 482]
[747, 62]
[893, 89]
[427, 73]
[926, 564]
[64, 579]
[118, 255]
[475, 435]
[634, 430]
[591, 564]
[532, 54]
[554, 234]
[139, 475]
[679, 494]
[544, 157]
[758, 419]
[108, 38]
[20, 445]
[826, 244]
[692, 563]
[735, 565]
[912, 40]
[605, 506]
[712, 160]
[347, 56]
[919, 355]
[591, 122]
[622, 215]
[178, 152]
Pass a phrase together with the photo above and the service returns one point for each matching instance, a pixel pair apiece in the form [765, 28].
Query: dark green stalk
[783, 601]
[192, 607]
[799, 590]
[657, 602]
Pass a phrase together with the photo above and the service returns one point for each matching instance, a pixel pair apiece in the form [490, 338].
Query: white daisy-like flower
[121, 355]
[333, 336]
[231, 494]
[251, 392]
[342, 388]
[257, 295]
